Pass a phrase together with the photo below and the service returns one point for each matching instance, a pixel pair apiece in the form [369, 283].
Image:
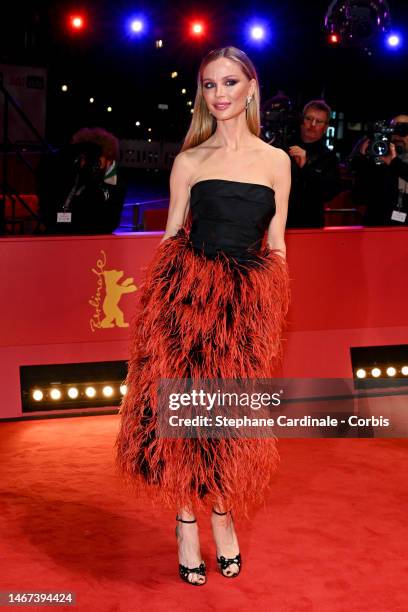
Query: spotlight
[107, 391]
[333, 38]
[137, 123]
[90, 392]
[159, 44]
[149, 129]
[149, 140]
[391, 371]
[404, 370]
[76, 22]
[64, 88]
[393, 40]
[38, 395]
[136, 25]
[109, 109]
[197, 28]
[257, 32]
[73, 392]
[189, 103]
[361, 373]
[183, 91]
[55, 394]
[123, 389]
[376, 372]
[174, 74]
[91, 100]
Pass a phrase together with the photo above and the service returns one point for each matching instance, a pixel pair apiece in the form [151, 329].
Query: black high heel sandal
[185, 571]
[223, 562]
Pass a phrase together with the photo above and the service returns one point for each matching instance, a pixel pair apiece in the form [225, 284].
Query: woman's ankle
[187, 515]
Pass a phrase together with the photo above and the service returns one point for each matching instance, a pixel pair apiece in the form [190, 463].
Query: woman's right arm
[180, 179]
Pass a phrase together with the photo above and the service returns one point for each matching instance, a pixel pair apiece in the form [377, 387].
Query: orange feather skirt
[201, 318]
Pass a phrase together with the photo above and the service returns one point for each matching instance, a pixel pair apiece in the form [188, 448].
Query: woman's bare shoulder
[184, 164]
[274, 154]
[194, 154]
[191, 159]
[275, 162]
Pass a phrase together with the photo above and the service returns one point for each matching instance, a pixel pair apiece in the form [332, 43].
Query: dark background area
[134, 77]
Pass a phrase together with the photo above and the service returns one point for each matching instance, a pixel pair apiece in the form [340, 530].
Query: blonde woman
[213, 307]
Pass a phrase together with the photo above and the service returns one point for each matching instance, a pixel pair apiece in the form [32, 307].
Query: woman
[213, 306]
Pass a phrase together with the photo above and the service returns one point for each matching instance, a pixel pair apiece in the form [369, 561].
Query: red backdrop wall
[70, 299]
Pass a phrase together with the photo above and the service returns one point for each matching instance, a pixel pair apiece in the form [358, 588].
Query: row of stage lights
[73, 393]
[391, 372]
[257, 32]
[137, 26]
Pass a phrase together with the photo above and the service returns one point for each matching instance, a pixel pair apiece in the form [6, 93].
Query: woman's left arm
[282, 181]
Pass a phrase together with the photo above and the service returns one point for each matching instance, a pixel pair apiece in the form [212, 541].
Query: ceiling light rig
[357, 23]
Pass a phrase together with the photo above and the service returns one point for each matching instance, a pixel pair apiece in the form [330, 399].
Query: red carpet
[332, 537]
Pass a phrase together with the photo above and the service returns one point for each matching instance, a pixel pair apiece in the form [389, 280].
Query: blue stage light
[136, 25]
[393, 40]
[257, 32]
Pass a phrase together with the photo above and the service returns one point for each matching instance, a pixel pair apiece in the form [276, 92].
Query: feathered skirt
[211, 319]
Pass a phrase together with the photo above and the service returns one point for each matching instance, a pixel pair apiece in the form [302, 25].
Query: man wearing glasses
[315, 169]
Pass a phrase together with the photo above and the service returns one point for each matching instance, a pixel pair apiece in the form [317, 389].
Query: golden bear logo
[113, 292]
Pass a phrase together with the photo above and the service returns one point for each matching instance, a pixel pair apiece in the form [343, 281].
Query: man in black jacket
[382, 184]
[315, 169]
[79, 188]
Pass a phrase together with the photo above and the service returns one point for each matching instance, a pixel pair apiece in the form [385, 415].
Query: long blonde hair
[203, 124]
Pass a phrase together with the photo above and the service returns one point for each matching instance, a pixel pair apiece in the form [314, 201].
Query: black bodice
[230, 217]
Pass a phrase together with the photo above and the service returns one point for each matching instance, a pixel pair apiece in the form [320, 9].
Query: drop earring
[248, 101]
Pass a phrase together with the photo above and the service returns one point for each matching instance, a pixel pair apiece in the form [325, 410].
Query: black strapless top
[230, 217]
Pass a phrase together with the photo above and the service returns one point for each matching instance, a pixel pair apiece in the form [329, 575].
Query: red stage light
[77, 22]
[197, 28]
[334, 38]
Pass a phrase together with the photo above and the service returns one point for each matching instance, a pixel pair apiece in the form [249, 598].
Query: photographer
[79, 189]
[381, 181]
[315, 169]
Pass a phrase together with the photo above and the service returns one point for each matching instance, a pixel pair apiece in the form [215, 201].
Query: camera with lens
[87, 162]
[279, 123]
[380, 140]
